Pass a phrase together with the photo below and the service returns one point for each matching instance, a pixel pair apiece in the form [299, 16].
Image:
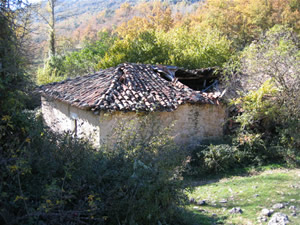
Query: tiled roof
[127, 87]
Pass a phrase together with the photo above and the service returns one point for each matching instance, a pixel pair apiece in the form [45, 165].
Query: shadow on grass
[200, 180]
[250, 193]
[196, 218]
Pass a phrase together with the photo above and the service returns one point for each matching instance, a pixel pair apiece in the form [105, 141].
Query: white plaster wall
[87, 125]
[60, 117]
[195, 123]
[56, 115]
[192, 123]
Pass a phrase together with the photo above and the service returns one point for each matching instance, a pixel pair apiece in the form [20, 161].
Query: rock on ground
[201, 202]
[278, 206]
[262, 219]
[292, 207]
[266, 212]
[192, 200]
[236, 210]
[279, 219]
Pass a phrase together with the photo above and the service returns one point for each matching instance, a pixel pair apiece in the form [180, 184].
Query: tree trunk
[52, 47]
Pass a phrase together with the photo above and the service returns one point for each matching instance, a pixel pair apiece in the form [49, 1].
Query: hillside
[75, 9]
[95, 6]
[70, 14]
[81, 20]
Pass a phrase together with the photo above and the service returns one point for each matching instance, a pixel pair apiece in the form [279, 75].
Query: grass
[251, 193]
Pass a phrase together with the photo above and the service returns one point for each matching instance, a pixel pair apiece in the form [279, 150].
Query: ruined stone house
[91, 106]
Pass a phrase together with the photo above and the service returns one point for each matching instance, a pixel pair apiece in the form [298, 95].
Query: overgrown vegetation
[270, 82]
[263, 84]
[54, 179]
[190, 48]
[163, 33]
[13, 80]
[75, 63]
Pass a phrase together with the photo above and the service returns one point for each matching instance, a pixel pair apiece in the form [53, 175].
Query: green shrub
[76, 63]
[239, 151]
[220, 157]
[184, 47]
[196, 47]
[259, 111]
[50, 73]
[266, 84]
[85, 61]
[214, 156]
[51, 179]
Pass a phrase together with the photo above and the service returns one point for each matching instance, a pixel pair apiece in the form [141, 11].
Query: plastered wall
[192, 123]
[61, 118]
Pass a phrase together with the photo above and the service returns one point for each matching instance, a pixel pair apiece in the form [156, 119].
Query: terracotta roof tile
[127, 87]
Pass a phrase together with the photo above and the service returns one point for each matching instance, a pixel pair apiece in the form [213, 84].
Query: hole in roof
[122, 79]
[198, 80]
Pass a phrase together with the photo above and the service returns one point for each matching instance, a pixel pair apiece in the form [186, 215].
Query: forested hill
[83, 19]
[79, 11]
[78, 7]
[93, 6]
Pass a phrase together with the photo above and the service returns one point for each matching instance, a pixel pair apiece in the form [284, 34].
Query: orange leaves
[148, 16]
[133, 27]
[161, 16]
[244, 20]
[124, 10]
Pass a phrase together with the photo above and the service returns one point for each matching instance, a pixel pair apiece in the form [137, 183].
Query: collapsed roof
[133, 87]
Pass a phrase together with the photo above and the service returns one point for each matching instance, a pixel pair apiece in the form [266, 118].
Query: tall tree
[51, 23]
[13, 23]
[48, 15]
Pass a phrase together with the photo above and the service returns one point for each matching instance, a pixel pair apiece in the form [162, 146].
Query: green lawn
[250, 193]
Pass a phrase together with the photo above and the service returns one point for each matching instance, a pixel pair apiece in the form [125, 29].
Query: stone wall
[192, 123]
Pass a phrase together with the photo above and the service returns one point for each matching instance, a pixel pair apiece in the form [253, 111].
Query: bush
[190, 48]
[53, 179]
[278, 55]
[77, 63]
[240, 151]
[266, 82]
[216, 158]
[196, 47]
[51, 72]
[146, 48]
[85, 61]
